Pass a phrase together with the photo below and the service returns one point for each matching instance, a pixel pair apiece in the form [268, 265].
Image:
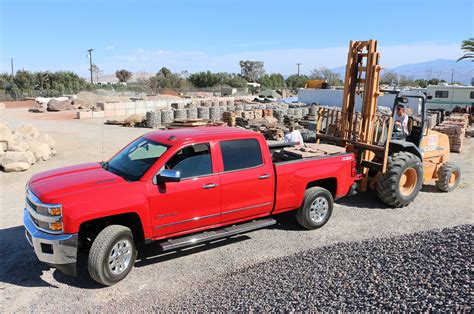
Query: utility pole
[298, 64]
[11, 62]
[90, 64]
[452, 76]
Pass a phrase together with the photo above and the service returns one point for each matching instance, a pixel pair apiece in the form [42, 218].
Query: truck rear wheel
[402, 181]
[449, 176]
[316, 209]
[112, 255]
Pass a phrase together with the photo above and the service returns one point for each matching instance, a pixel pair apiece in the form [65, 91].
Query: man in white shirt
[293, 136]
[401, 122]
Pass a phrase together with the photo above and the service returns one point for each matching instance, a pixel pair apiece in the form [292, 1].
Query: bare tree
[96, 71]
[389, 77]
[123, 75]
[332, 78]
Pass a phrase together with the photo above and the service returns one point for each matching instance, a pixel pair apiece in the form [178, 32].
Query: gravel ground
[426, 271]
[165, 279]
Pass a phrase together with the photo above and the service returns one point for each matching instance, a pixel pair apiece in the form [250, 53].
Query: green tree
[272, 81]
[205, 79]
[123, 75]
[468, 47]
[251, 70]
[295, 81]
[164, 72]
[332, 78]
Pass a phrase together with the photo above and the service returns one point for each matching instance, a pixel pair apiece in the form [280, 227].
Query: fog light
[55, 226]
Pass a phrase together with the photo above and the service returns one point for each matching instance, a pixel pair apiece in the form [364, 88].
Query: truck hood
[54, 184]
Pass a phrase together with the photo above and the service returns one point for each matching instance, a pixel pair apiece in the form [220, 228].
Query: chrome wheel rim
[120, 257]
[319, 209]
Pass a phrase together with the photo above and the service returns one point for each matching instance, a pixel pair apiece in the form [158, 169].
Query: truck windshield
[135, 159]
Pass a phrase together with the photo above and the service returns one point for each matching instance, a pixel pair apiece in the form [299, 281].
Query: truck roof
[174, 136]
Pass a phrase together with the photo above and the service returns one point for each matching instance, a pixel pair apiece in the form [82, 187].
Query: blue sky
[215, 35]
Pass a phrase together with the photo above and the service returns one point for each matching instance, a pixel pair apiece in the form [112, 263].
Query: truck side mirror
[168, 175]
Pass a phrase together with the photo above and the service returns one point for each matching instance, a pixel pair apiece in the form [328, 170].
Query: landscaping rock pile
[24, 146]
[423, 272]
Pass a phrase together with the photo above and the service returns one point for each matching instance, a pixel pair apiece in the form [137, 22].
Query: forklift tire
[402, 181]
[316, 209]
[449, 176]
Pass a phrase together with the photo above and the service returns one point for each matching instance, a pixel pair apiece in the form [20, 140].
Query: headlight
[54, 211]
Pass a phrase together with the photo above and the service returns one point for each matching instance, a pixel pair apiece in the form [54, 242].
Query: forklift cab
[417, 125]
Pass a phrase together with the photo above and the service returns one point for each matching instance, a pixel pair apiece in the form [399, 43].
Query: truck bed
[328, 165]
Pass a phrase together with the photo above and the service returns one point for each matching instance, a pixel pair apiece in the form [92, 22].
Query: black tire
[449, 176]
[388, 184]
[102, 248]
[310, 215]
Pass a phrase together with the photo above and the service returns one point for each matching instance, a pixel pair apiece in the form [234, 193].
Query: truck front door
[247, 180]
[192, 203]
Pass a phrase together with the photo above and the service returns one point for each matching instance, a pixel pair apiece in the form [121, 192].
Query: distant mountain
[439, 68]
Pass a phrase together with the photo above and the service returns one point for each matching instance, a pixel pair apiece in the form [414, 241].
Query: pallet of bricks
[454, 127]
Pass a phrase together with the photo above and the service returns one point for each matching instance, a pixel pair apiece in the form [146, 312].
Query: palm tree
[468, 47]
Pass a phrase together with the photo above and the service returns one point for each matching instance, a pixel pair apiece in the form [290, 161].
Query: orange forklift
[394, 163]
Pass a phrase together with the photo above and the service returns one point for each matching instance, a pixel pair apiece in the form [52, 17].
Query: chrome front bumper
[57, 250]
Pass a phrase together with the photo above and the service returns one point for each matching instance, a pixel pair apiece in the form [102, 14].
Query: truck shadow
[19, 265]
[367, 199]
[154, 254]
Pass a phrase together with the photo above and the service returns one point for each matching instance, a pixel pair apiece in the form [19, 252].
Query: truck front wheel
[316, 209]
[112, 255]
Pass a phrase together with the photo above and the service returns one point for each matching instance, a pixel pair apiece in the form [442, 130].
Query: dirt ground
[28, 285]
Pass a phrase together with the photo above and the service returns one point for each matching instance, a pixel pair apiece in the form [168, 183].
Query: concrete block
[130, 111]
[84, 115]
[109, 113]
[140, 104]
[120, 112]
[150, 104]
[106, 106]
[130, 105]
[98, 114]
[120, 106]
[141, 110]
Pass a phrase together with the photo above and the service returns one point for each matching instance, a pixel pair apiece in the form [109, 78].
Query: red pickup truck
[179, 187]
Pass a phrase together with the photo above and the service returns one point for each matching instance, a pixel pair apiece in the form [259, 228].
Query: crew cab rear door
[194, 202]
[247, 180]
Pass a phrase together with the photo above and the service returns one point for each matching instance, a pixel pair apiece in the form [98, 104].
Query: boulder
[12, 157]
[133, 119]
[45, 138]
[19, 146]
[26, 131]
[16, 166]
[60, 105]
[41, 151]
[6, 137]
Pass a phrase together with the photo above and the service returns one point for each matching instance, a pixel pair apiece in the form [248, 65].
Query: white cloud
[110, 48]
[281, 60]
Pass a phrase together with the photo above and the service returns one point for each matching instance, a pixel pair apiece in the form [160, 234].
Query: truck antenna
[102, 137]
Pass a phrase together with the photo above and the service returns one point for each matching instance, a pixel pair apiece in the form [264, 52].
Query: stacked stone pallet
[177, 105]
[268, 113]
[192, 113]
[153, 119]
[258, 114]
[203, 112]
[455, 132]
[250, 115]
[180, 114]
[167, 116]
[214, 113]
[275, 134]
[230, 118]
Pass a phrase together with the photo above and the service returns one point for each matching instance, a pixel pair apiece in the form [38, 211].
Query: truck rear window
[241, 154]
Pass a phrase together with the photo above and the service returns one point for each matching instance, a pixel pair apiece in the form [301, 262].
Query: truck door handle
[264, 176]
[209, 186]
